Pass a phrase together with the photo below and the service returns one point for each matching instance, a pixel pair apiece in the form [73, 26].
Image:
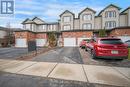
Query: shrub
[52, 39]
[102, 33]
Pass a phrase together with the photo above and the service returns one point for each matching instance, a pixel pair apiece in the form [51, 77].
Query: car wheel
[93, 55]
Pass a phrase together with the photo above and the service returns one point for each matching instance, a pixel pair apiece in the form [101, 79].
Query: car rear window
[111, 41]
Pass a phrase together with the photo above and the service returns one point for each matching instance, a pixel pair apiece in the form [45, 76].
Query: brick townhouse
[70, 30]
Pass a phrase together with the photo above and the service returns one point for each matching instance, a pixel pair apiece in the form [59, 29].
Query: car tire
[93, 55]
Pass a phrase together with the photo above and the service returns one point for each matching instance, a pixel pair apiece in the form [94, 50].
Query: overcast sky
[49, 10]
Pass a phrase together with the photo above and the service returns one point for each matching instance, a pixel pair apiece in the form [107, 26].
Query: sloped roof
[39, 21]
[27, 21]
[125, 10]
[87, 9]
[67, 11]
[108, 7]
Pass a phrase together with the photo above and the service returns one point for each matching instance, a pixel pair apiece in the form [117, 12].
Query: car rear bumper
[113, 57]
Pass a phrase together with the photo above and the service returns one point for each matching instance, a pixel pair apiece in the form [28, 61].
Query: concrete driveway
[61, 55]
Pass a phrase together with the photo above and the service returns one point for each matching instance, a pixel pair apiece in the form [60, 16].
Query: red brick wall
[28, 35]
[80, 34]
[21, 34]
[120, 32]
[77, 34]
[41, 36]
[31, 36]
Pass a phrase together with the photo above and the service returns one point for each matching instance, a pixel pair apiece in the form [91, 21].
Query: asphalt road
[16, 80]
[61, 55]
[13, 80]
[13, 53]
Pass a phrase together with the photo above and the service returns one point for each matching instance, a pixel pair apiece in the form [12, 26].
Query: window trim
[64, 18]
[110, 14]
[110, 24]
[66, 25]
[87, 26]
[87, 15]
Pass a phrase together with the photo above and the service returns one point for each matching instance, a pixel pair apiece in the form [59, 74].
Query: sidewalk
[116, 76]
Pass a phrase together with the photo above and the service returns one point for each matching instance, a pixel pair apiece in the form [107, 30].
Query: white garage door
[40, 42]
[69, 41]
[124, 38]
[80, 39]
[21, 43]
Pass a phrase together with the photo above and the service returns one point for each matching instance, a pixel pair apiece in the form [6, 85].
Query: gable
[27, 21]
[67, 12]
[109, 6]
[38, 20]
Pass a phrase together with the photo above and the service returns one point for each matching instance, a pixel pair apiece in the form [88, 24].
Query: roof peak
[108, 7]
[67, 11]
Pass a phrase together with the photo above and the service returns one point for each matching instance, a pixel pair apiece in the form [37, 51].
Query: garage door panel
[21, 43]
[40, 42]
[69, 42]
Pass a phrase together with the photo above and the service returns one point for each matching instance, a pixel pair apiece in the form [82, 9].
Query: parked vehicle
[83, 43]
[89, 45]
[128, 43]
[109, 47]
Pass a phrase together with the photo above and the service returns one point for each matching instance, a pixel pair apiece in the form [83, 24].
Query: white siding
[98, 22]
[123, 20]
[129, 17]
[116, 19]
[88, 18]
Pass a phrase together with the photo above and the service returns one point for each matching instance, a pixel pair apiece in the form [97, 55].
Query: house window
[44, 27]
[87, 17]
[109, 14]
[51, 27]
[110, 24]
[87, 26]
[66, 19]
[66, 27]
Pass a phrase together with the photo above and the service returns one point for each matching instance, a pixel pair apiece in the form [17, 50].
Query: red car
[108, 48]
[83, 43]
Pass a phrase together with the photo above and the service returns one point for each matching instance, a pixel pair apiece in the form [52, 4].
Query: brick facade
[30, 36]
[79, 34]
[25, 35]
[21, 35]
[41, 36]
[120, 32]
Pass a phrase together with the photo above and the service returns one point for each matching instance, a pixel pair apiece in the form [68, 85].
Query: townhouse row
[70, 30]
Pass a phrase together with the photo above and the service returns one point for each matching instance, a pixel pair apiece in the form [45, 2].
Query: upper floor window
[66, 27]
[66, 19]
[110, 24]
[87, 26]
[28, 26]
[44, 27]
[87, 17]
[109, 14]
